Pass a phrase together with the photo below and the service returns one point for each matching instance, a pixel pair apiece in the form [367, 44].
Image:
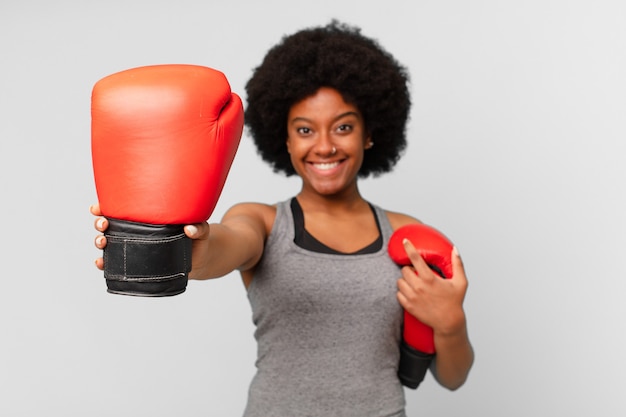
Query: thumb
[458, 270]
[197, 231]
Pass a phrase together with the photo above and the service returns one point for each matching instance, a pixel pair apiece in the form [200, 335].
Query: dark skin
[326, 141]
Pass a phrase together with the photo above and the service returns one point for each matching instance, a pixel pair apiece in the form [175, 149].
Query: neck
[345, 201]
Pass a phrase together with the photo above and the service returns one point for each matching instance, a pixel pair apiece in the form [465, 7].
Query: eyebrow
[339, 117]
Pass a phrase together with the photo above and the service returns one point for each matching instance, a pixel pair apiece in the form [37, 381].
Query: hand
[434, 301]
[199, 233]
[101, 225]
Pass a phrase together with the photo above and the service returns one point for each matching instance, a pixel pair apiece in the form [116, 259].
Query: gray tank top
[328, 327]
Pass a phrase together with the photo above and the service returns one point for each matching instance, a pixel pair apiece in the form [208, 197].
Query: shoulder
[398, 220]
[256, 219]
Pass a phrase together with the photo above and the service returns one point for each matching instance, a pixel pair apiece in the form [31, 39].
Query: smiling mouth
[325, 166]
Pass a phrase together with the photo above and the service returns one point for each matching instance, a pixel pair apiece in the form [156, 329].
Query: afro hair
[340, 57]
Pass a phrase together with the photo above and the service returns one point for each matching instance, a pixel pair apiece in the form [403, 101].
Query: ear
[368, 142]
[287, 144]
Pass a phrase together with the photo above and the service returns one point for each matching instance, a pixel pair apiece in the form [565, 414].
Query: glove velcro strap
[413, 365]
[146, 260]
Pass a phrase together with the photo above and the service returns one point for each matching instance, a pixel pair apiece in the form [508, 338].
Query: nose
[324, 145]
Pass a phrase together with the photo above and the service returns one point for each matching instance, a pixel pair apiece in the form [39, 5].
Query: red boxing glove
[163, 139]
[418, 346]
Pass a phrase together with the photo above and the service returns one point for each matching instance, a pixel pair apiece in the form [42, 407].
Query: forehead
[324, 103]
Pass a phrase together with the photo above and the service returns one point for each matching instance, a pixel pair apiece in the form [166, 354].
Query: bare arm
[234, 244]
[454, 358]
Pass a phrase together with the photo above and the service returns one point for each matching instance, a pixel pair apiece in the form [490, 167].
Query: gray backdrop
[516, 152]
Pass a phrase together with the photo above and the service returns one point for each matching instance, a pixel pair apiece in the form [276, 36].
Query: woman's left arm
[438, 303]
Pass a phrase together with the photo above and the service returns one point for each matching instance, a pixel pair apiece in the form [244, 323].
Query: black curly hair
[337, 56]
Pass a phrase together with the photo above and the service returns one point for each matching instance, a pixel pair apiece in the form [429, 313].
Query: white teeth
[326, 166]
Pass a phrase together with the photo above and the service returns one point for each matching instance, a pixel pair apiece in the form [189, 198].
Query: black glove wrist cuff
[146, 260]
[413, 365]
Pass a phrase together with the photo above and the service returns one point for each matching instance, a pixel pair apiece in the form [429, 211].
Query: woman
[329, 105]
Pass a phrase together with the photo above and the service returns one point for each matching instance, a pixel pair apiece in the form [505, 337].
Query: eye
[303, 131]
[345, 128]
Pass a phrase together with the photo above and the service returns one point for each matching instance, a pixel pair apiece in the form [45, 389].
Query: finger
[197, 231]
[95, 209]
[407, 297]
[101, 242]
[421, 267]
[458, 269]
[100, 264]
[101, 224]
[403, 300]
[410, 277]
[405, 284]
[191, 230]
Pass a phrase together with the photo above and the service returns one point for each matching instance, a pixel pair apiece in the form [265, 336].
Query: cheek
[296, 148]
[294, 151]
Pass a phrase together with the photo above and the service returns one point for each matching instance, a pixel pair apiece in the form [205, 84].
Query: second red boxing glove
[418, 347]
[163, 139]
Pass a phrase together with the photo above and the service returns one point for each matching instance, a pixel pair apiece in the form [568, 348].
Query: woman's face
[326, 140]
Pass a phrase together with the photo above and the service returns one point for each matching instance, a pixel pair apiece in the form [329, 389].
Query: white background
[517, 142]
